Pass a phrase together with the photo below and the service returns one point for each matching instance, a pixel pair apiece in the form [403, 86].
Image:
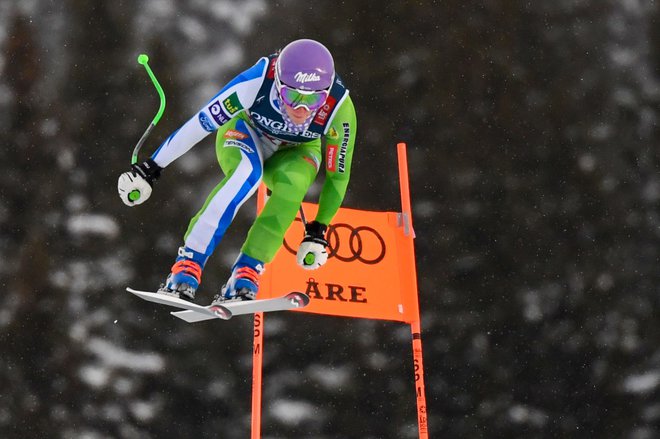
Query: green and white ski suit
[253, 145]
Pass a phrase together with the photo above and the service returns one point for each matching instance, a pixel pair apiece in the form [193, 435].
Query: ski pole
[144, 60]
[302, 217]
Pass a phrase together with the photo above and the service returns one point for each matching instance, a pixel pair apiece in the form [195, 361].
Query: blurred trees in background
[532, 130]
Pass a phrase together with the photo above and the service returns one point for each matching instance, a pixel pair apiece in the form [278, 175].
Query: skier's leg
[241, 161]
[288, 173]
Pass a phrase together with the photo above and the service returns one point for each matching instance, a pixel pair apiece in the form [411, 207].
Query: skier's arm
[237, 95]
[340, 139]
[135, 186]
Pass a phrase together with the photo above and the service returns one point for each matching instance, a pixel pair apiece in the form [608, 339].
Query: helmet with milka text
[305, 65]
[304, 74]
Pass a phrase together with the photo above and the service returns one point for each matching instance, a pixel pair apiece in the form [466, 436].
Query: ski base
[192, 312]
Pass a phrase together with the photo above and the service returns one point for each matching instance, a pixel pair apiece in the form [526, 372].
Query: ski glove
[135, 185]
[312, 252]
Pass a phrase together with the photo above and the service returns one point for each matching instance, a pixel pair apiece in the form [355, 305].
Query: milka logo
[306, 77]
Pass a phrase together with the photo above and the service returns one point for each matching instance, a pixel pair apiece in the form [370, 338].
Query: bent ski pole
[144, 60]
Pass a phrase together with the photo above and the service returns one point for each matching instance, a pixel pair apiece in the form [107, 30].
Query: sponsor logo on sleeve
[206, 122]
[330, 157]
[232, 104]
[325, 110]
[218, 113]
[333, 134]
[341, 158]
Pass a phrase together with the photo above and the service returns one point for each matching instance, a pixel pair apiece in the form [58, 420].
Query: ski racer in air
[278, 122]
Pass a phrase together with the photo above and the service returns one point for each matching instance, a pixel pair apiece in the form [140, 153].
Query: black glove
[312, 252]
[315, 232]
[148, 170]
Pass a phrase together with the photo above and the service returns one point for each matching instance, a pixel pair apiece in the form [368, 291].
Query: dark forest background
[534, 150]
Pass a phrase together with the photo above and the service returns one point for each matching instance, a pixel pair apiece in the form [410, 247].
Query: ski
[289, 301]
[219, 312]
[192, 312]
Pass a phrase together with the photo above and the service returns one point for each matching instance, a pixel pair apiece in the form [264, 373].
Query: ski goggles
[311, 100]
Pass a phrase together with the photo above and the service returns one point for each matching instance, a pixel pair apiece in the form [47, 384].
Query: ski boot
[243, 283]
[186, 275]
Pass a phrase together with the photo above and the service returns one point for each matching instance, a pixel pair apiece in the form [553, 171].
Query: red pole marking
[258, 351]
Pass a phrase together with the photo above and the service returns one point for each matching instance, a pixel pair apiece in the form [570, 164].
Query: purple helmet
[305, 65]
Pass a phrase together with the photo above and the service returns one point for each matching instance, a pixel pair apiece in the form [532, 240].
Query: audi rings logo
[348, 244]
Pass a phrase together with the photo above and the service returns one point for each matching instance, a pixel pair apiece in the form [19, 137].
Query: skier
[271, 121]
